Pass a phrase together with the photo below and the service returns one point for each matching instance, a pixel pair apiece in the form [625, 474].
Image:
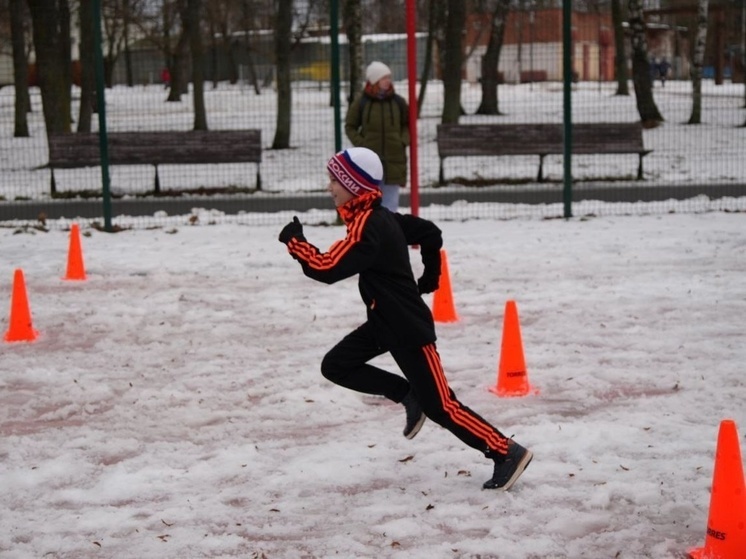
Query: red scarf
[375, 92]
[359, 204]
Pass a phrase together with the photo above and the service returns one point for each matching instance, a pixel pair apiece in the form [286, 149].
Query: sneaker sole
[522, 465]
[416, 429]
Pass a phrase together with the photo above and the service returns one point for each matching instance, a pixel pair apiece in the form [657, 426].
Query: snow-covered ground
[172, 405]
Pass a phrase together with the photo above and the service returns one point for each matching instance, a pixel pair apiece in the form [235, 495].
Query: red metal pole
[412, 77]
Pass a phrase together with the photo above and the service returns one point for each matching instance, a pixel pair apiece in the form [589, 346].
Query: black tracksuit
[376, 248]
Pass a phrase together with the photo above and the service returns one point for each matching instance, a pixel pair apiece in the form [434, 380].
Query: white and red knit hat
[359, 170]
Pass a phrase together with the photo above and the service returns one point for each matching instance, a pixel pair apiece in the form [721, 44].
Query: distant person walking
[663, 69]
[378, 120]
[166, 77]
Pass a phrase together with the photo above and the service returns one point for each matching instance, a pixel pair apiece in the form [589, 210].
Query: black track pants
[346, 364]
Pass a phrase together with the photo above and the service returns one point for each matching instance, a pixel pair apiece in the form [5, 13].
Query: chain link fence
[700, 165]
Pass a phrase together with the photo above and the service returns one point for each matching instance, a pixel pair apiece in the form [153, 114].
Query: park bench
[70, 151]
[465, 140]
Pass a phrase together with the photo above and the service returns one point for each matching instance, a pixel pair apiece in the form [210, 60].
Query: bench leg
[258, 178]
[540, 176]
[157, 185]
[441, 178]
[52, 183]
[639, 168]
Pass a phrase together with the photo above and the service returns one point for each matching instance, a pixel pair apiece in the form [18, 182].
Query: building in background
[532, 46]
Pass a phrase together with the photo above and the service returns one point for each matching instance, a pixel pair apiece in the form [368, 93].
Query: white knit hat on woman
[375, 71]
[359, 170]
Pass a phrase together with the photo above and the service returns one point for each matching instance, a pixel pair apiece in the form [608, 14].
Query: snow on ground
[173, 406]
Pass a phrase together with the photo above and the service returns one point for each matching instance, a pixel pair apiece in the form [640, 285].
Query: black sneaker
[415, 416]
[509, 468]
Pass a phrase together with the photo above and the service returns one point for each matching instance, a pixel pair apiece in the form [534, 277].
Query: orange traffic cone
[512, 377]
[20, 329]
[75, 268]
[726, 526]
[443, 308]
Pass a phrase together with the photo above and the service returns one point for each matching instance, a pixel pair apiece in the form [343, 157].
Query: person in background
[663, 68]
[378, 119]
[376, 249]
[165, 77]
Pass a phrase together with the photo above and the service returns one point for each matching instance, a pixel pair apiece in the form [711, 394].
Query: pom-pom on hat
[375, 71]
[358, 170]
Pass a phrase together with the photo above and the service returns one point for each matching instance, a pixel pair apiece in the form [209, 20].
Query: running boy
[376, 248]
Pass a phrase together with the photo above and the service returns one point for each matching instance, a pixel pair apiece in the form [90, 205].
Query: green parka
[382, 126]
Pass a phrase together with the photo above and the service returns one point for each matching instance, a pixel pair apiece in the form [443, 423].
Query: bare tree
[390, 16]
[87, 69]
[20, 67]
[113, 26]
[66, 46]
[620, 58]
[213, 46]
[353, 24]
[221, 14]
[160, 26]
[646, 107]
[126, 16]
[190, 19]
[283, 39]
[697, 60]
[436, 14]
[491, 59]
[743, 50]
[179, 58]
[52, 62]
[247, 17]
[453, 60]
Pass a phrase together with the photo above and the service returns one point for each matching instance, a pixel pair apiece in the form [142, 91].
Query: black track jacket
[377, 248]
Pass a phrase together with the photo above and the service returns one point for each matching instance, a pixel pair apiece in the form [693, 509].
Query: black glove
[428, 283]
[293, 230]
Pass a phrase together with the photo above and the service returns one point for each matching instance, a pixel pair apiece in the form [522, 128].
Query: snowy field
[172, 406]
